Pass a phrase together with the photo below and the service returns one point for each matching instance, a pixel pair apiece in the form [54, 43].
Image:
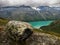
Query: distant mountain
[56, 8]
[43, 7]
[50, 11]
[48, 7]
[27, 13]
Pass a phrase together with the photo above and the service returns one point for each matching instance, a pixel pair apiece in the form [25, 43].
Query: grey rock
[19, 30]
[43, 39]
[15, 33]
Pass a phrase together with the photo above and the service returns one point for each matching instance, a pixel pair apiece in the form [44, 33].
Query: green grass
[3, 21]
[47, 32]
[53, 28]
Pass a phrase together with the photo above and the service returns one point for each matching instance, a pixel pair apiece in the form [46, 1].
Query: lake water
[38, 24]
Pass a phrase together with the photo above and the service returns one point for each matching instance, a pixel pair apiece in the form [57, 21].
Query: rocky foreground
[43, 39]
[22, 33]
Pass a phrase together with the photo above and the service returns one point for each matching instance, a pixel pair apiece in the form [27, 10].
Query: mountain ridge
[27, 13]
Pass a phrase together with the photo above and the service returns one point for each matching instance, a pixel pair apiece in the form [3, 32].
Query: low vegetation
[53, 28]
[3, 21]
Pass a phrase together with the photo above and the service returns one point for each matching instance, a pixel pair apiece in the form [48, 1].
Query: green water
[38, 24]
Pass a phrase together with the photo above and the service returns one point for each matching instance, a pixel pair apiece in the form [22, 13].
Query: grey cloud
[33, 3]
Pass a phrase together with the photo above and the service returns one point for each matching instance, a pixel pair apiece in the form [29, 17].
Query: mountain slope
[27, 13]
[53, 27]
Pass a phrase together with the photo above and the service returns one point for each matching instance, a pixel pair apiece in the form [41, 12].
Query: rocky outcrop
[19, 30]
[15, 32]
[43, 39]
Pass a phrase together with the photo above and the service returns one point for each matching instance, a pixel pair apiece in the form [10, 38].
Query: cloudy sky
[33, 3]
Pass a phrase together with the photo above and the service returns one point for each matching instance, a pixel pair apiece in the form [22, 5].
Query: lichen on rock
[19, 30]
[15, 33]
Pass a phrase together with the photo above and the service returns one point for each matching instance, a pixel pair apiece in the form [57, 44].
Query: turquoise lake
[38, 24]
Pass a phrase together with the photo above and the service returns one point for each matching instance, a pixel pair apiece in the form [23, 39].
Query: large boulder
[19, 31]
